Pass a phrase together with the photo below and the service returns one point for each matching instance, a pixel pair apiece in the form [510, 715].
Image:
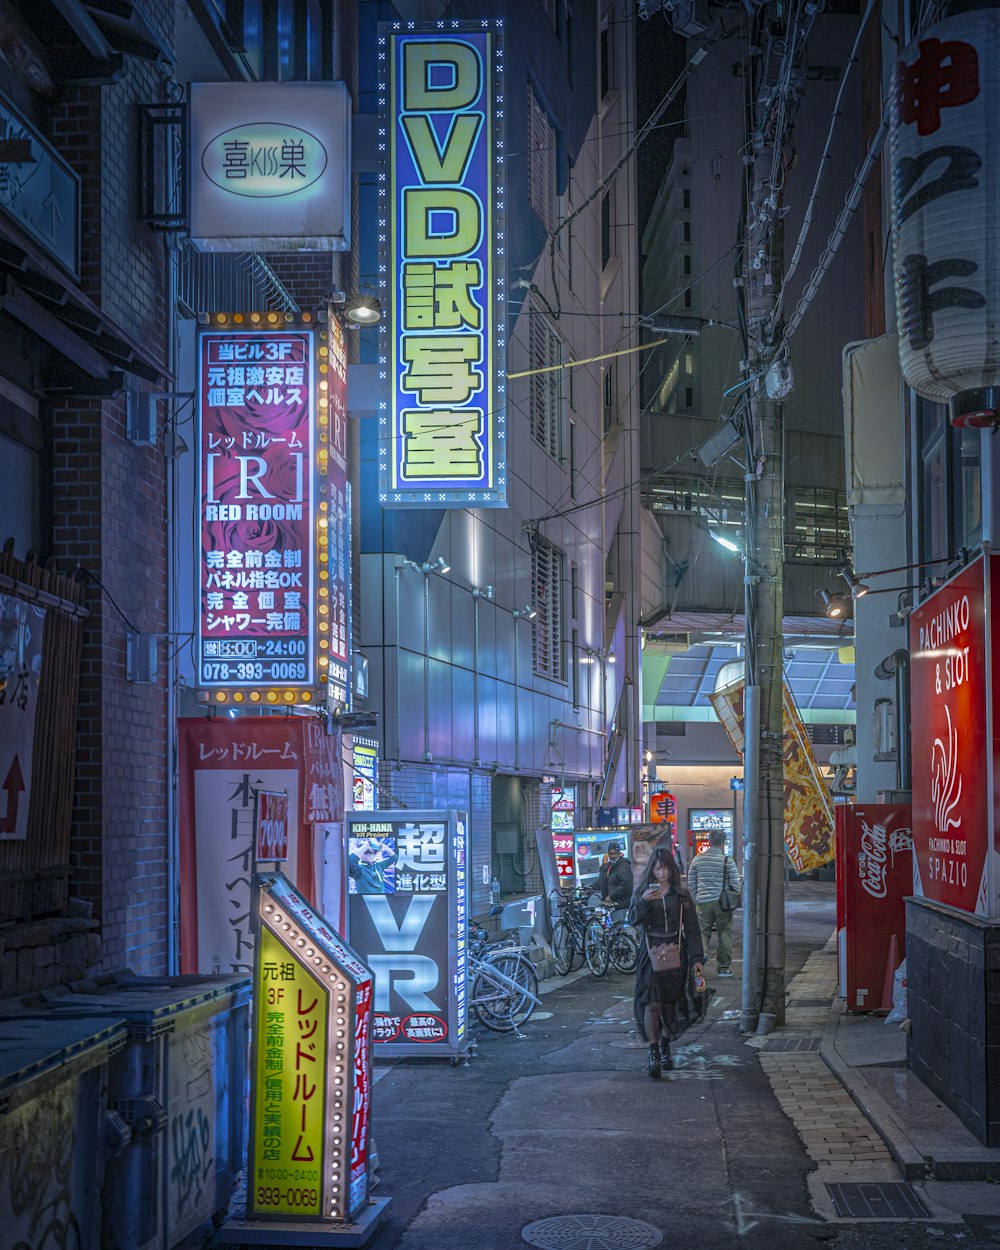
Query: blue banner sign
[443, 425]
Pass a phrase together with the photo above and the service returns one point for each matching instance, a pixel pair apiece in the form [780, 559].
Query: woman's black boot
[666, 1058]
[653, 1067]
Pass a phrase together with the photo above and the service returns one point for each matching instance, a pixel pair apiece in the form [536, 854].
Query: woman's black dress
[674, 991]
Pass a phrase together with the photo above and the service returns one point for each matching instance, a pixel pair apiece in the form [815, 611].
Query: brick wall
[953, 1002]
[109, 515]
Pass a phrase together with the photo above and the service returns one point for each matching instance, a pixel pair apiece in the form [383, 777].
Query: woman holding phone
[669, 947]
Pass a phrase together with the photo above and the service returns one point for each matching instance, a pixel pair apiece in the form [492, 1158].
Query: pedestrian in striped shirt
[711, 872]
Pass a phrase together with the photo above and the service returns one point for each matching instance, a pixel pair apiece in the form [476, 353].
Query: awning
[35, 293]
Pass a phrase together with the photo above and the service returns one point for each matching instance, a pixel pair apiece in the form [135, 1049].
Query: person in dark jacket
[664, 912]
[615, 883]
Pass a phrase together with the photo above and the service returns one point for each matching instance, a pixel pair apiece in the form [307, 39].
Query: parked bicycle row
[586, 930]
[502, 978]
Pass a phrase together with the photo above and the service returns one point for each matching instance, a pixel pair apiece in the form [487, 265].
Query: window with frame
[545, 349]
[548, 565]
[22, 514]
[541, 162]
[950, 487]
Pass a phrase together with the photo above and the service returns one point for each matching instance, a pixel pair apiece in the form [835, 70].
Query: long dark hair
[661, 855]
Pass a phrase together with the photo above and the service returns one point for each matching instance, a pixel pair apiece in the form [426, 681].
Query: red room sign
[952, 714]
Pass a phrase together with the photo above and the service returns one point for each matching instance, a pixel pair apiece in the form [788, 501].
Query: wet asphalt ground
[565, 1125]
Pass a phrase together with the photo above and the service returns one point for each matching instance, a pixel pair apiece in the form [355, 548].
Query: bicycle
[504, 983]
[568, 932]
[622, 943]
[578, 934]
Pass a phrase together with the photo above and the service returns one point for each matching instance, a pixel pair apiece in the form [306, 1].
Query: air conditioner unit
[884, 729]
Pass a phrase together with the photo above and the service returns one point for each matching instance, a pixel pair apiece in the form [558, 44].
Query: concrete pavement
[561, 1140]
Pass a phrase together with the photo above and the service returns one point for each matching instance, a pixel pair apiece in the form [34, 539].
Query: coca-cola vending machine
[874, 875]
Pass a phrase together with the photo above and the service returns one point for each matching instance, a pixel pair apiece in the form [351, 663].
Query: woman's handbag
[729, 899]
[666, 956]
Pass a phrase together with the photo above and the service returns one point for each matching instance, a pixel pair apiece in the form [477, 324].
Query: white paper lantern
[946, 208]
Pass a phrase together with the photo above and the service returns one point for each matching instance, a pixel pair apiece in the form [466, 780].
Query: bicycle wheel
[623, 948]
[503, 1006]
[563, 947]
[595, 948]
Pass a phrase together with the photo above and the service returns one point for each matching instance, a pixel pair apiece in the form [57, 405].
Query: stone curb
[962, 1163]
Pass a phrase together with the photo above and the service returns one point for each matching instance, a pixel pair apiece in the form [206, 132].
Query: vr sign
[443, 437]
[408, 914]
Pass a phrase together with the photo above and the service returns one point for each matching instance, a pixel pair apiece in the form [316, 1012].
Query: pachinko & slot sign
[443, 432]
[953, 725]
[263, 555]
[311, 1075]
[408, 918]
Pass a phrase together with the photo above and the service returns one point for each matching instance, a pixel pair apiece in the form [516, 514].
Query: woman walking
[669, 947]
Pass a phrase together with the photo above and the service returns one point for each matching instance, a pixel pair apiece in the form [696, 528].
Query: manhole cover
[792, 1043]
[890, 1201]
[591, 1232]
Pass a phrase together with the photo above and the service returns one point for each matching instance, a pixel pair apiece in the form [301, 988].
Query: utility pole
[764, 846]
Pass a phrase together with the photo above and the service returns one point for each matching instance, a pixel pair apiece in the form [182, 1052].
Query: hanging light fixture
[834, 605]
[362, 310]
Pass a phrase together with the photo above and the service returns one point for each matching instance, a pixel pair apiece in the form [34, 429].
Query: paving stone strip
[834, 1132]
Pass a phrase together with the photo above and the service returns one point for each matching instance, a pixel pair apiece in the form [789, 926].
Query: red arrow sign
[13, 784]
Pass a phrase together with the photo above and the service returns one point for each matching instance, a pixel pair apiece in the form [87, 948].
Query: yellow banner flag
[808, 808]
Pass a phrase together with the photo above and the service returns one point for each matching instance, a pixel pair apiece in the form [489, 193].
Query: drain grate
[792, 1043]
[809, 1002]
[591, 1232]
[889, 1201]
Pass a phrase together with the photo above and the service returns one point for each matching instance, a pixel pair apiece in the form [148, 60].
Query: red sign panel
[361, 1112]
[338, 523]
[272, 826]
[948, 657]
[256, 497]
[662, 807]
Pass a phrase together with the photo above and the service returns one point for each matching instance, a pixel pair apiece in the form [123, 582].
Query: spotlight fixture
[440, 565]
[527, 613]
[724, 540]
[363, 310]
[834, 605]
[482, 592]
[857, 579]
[858, 588]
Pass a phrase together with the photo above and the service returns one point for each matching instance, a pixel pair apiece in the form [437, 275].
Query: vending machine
[701, 822]
[874, 876]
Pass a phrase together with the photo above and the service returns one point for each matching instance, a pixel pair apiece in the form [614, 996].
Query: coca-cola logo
[876, 853]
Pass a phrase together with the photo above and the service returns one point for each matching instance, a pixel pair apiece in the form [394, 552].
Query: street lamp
[723, 540]
[363, 310]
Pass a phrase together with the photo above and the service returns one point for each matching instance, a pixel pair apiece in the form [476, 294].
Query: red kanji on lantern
[945, 75]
